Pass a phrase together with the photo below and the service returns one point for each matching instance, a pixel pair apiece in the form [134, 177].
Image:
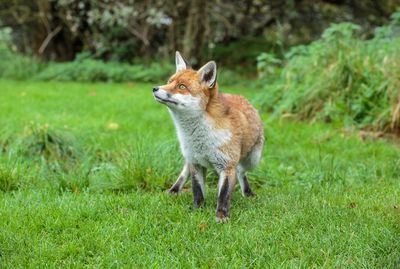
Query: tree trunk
[196, 32]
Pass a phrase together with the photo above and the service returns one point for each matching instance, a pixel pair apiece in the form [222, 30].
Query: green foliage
[267, 65]
[83, 69]
[342, 78]
[86, 69]
[237, 53]
[13, 65]
[89, 70]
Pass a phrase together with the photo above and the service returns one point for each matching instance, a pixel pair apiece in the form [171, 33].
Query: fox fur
[215, 130]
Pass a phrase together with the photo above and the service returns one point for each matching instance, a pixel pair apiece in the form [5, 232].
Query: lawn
[84, 170]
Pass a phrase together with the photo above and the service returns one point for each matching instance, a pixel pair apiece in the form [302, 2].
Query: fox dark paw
[221, 217]
[173, 191]
[198, 202]
[251, 194]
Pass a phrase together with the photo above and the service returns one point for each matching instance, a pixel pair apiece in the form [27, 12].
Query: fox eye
[181, 87]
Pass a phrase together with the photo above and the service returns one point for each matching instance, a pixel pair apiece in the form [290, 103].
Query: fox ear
[208, 74]
[181, 63]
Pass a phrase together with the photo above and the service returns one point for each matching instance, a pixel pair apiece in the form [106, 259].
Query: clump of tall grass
[141, 166]
[13, 174]
[342, 77]
[5, 142]
[9, 179]
[75, 178]
[44, 142]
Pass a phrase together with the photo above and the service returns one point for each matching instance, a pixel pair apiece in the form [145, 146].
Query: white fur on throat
[199, 140]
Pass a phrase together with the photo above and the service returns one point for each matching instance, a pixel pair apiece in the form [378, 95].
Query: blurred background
[231, 32]
[335, 60]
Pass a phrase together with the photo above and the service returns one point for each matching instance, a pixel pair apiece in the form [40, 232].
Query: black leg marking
[176, 187]
[198, 198]
[223, 201]
[247, 191]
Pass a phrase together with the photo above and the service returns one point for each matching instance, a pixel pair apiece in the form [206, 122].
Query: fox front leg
[198, 183]
[180, 182]
[226, 184]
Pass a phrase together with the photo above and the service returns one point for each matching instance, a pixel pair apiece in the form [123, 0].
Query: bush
[90, 70]
[85, 69]
[15, 66]
[342, 78]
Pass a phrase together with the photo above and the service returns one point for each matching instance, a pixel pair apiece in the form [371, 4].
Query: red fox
[215, 130]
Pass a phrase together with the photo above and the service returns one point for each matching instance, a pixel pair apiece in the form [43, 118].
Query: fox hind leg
[248, 163]
[226, 185]
[244, 183]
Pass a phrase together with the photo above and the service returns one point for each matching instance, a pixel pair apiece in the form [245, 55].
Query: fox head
[187, 89]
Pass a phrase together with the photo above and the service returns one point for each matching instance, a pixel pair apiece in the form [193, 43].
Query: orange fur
[227, 111]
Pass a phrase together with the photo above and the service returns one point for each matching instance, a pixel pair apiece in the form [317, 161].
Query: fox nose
[155, 89]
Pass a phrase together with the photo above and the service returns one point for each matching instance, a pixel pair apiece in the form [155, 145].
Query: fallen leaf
[353, 204]
[211, 263]
[112, 126]
[148, 170]
[91, 93]
[75, 189]
[349, 260]
[396, 207]
[185, 189]
[202, 226]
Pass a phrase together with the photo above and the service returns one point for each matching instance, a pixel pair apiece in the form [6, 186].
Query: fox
[215, 130]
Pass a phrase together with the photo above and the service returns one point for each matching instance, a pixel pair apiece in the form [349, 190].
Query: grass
[84, 170]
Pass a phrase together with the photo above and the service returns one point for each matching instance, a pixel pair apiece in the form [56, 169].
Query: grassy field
[84, 170]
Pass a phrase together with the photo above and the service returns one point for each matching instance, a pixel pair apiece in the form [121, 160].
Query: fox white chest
[199, 140]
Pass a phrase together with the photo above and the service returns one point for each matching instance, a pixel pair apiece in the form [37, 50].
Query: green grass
[84, 170]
